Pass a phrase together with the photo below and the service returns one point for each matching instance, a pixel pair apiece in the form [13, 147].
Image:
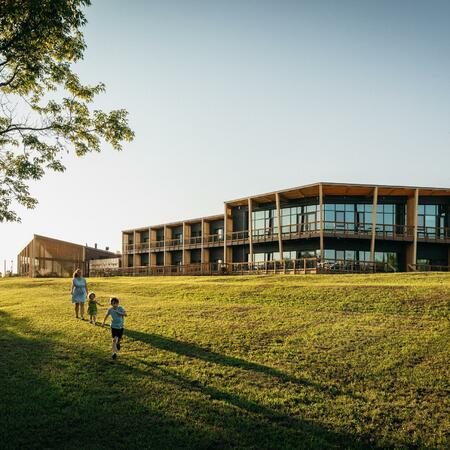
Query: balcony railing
[291, 266]
[428, 268]
[433, 233]
[297, 231]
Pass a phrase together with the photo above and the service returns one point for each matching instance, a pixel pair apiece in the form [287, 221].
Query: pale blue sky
[233, 98]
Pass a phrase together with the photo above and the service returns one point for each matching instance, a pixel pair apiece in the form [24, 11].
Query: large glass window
[294, 254]
[391, 218]
[296, 219]
[348, 216]
[265, 257]
[361, 256]
[264, 222]
[432, 221]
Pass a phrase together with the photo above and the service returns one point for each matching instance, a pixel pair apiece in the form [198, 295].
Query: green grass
[352, 361]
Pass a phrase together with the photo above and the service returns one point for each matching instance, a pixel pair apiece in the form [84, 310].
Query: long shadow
[56, 395]
[263, 423]
[194, 351]
[86, 407]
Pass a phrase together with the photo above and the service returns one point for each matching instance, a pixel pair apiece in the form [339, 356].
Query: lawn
[317, 361]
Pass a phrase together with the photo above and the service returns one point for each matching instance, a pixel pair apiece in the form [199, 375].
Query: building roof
[331, 188]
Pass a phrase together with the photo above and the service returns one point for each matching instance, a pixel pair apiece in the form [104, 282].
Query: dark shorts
[117, 332]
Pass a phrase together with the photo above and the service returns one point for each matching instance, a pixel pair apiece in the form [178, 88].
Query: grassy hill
[352, 361]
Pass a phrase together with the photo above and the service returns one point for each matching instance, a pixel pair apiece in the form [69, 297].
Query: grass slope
[353, 361]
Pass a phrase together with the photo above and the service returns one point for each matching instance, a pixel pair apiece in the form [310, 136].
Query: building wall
[406, 244]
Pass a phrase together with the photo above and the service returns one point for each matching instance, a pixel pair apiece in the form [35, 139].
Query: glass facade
[264, 222]
[348, 217]
[390, 218]
[296, 254]
[296, 219]
[432, 221]
[361, 256]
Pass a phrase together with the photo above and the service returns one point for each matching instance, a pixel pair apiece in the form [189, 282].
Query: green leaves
[44, 107]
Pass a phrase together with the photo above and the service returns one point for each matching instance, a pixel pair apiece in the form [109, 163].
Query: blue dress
[79, 292]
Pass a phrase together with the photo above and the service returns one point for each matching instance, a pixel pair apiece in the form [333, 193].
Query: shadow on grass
[58, 395]
[194, 351]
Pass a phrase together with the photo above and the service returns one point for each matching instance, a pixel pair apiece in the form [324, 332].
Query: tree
[44, 108]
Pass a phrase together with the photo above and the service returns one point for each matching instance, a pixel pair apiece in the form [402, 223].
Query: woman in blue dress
[79, 293]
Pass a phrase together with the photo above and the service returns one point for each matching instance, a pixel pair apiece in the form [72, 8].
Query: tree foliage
[44, 107]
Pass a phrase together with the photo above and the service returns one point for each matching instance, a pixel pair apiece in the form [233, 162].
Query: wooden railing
[343, 266]
[301, 230]
[187, 269]
[291, 266]
[428, 268]
[433, 233]
[303, 265]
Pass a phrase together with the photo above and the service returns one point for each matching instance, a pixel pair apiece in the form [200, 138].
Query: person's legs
[114, 347]
[119, 338]
[82, 310]
[94, 319]
[76, 310]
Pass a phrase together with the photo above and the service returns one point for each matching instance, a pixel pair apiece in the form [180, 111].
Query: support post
[227, 229]
[322, 250]
[280, 234]
[412, 206]
[374, 224]
[250, 229]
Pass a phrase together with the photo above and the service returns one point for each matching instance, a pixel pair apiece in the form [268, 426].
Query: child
[117, 314]
[92, 308]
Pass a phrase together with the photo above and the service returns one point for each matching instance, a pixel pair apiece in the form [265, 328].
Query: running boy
[117, 314]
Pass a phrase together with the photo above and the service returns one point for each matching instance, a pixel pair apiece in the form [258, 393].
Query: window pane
[349, 207]
[430, 210]
[389, 209]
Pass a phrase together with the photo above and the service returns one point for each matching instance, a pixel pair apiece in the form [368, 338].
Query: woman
[79, 293]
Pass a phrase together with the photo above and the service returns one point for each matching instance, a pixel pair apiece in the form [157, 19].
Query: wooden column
[411, 221]
[227, 229]
[204, 249]
[183, 247]
[250, 228]
[135, 256]
[166, 231]
[280, 234]
[322, 250]
[32, 257]
[186, 236]
[374, 224]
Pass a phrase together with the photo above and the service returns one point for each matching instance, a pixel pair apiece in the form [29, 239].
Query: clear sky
[238, 97]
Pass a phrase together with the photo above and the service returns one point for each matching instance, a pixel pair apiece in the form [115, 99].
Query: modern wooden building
[48, 257]
[313, 228]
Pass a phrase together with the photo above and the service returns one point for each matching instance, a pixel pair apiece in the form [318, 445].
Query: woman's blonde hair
[75, 274]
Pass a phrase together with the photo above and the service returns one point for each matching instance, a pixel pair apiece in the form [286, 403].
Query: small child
[117, 314]
[92, 308]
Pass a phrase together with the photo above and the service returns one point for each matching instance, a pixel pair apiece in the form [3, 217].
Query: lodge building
[312, 228]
